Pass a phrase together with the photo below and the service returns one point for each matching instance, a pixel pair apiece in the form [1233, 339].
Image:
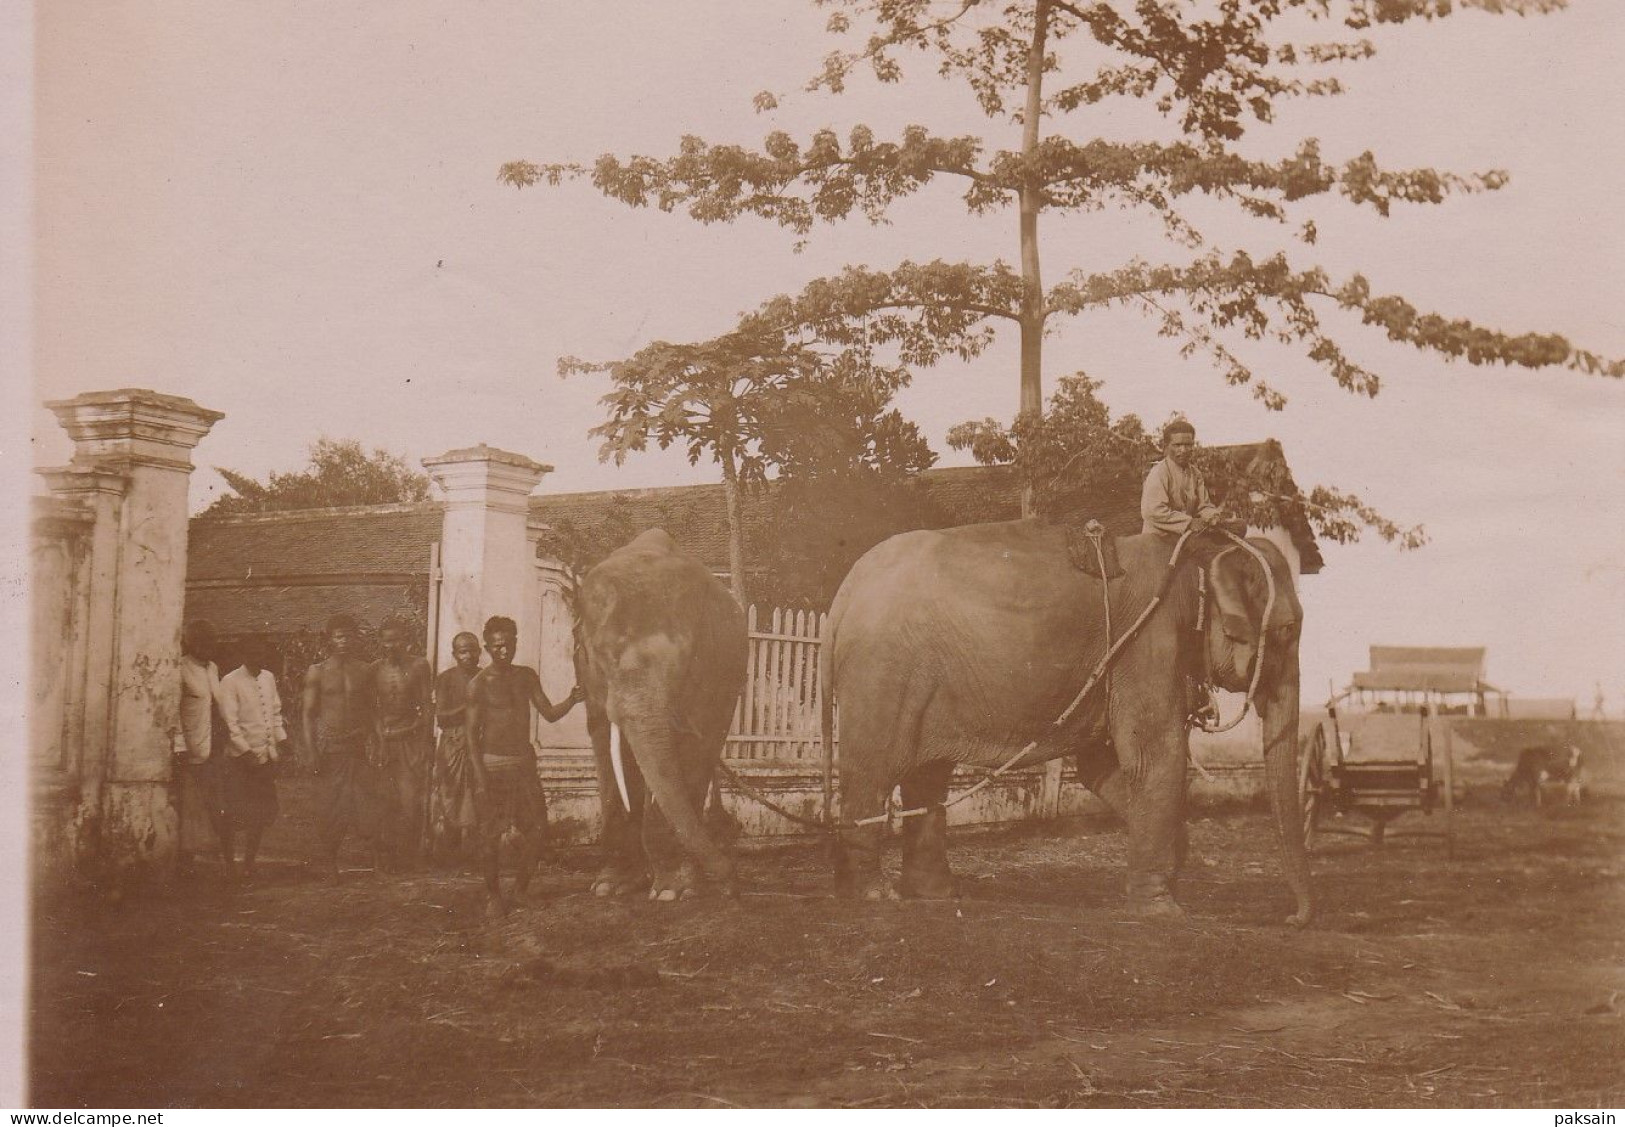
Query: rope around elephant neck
[1263, 632]
[1102, 668]
[1095, 675]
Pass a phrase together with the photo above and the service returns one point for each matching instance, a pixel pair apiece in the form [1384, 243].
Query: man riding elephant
[1174, 501]
[969, 647]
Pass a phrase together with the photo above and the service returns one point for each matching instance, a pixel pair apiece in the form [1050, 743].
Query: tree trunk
[1032, 287]
[736, 530]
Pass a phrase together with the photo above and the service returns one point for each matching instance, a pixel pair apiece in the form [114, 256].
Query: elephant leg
[677, 785]
[1099, 771]
[864, 790]
[926, 875]
[624, 868]
[676, 875]
[1156, 824]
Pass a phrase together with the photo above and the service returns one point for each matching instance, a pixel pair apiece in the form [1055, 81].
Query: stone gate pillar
[131, 464]
[487, 563]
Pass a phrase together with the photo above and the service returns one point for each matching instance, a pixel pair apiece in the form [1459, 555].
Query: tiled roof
[364, 539]
[237, 611]
[696, 517]
[255, 572]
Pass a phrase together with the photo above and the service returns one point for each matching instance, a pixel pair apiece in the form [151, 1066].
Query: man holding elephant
[507, 791]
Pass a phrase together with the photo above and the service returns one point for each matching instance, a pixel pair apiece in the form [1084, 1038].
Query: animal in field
[958, 647]
[662, 661]
[1546, 763]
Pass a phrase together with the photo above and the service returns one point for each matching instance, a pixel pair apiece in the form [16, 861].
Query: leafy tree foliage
[340, 473]
[1075, 452]
[1214, 70]
[754, 401]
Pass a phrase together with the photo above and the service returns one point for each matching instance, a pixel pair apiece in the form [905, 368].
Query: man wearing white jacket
[253, 713]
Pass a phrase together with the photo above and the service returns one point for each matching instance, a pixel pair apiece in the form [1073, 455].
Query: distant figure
[1174, 498]
[1547, 763]
[402, 687]
[455, 818]
[337, 723]
[200, 780]
[253, 712]
[506, 786]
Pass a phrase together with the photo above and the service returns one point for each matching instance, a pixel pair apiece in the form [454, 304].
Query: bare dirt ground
[1495, 979]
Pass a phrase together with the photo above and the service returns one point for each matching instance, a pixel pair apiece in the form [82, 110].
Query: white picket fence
[777, 717]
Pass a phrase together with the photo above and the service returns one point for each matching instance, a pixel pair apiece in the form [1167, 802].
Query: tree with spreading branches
[1213, 69]
[340, 472]
[755, 403]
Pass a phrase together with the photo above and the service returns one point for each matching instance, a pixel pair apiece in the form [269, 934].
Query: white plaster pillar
[487, 562]
[132, 459]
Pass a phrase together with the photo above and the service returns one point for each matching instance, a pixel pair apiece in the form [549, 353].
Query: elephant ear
[1235, 584]
[1080, 549]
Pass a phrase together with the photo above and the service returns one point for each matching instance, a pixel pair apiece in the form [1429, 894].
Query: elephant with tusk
[661, 657]
[961, 647]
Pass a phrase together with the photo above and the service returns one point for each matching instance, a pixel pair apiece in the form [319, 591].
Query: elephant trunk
[1278, 709]
[658, 753]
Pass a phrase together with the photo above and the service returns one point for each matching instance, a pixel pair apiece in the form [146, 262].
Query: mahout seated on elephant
[662, 660]
[962, 647]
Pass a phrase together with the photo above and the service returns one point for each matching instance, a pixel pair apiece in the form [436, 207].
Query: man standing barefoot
[456, 820]
[507, 788]
[253, 712]
[199, 774]
[337, 723]
[401, 687]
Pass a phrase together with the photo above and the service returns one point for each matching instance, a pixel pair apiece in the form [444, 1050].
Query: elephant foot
[496, 908]
[1156, 908]
[928, 886]
[1300, 918]
[617, 881]
[878, 890]
[926, 875]
[681, 883]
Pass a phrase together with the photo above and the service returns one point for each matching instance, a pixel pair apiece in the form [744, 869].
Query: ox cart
[1379, 764]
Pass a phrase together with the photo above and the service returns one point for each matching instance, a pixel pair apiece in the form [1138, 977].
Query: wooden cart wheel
[1311, 780]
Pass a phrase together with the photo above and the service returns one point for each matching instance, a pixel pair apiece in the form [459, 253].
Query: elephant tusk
[619, 767]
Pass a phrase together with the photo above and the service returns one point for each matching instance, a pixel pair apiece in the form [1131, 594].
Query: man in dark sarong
[455, 817]
[337, 722]
[401, 687]
[507, 787]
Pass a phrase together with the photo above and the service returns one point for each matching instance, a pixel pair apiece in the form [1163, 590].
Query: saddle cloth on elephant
[1089, 545]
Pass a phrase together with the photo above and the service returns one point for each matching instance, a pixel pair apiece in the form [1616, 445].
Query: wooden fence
[777, 717]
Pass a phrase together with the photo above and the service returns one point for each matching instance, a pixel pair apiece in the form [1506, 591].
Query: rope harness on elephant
[1100, 673]
[1263, 629]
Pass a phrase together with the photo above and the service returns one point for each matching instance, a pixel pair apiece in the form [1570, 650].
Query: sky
[289, 211]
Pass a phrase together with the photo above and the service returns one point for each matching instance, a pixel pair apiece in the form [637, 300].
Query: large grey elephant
[961, 646]
[662, 660]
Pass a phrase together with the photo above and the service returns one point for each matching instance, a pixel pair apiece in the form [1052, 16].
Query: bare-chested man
[337, 722]
[506, 784]
[401, 687]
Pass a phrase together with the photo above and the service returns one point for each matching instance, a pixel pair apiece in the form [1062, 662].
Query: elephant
[661, 656]
[961, 646]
